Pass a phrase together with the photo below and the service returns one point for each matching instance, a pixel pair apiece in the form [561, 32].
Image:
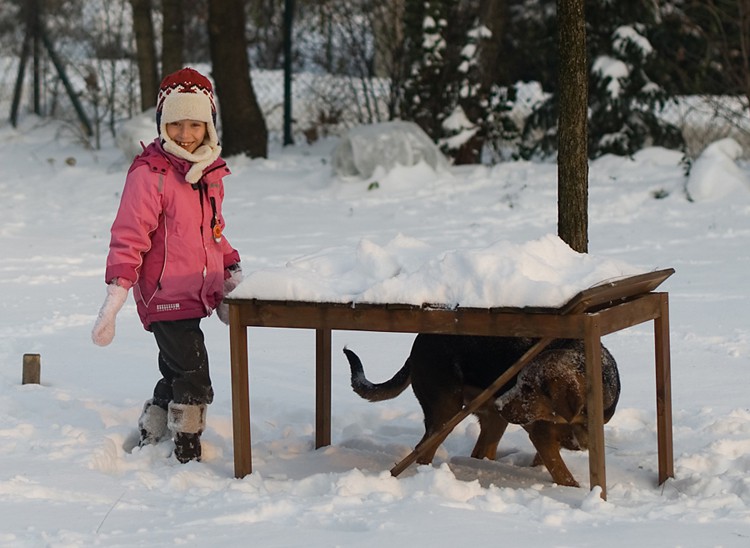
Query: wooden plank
[631, 312]
[382, 319]
[322, 387]
[595, 406]
[243, 461]
[32, 369]
[617, 290]
[664, 392]
[518, 325]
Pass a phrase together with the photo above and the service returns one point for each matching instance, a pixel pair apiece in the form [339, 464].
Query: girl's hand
[104, 327]
[234, 279]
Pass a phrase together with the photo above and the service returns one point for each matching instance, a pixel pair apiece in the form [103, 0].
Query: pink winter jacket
[162, 240]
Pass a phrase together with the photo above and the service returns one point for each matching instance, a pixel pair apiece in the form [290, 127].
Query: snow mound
[365, 148]
[715, 174]
[545, 272]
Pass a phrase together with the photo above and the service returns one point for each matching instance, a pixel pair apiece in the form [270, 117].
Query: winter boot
[152, 424]
[187, 423]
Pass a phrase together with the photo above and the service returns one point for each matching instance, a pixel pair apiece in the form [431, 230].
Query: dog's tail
[377, 392]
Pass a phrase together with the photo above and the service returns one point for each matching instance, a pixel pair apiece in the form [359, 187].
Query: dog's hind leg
[491, 428]
[438, 409]
[546, 439]
[429, 454]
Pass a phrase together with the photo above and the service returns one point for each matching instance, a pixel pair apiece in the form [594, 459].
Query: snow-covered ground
[66, 477]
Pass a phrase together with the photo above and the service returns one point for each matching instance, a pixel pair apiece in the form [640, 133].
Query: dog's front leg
[545, 437]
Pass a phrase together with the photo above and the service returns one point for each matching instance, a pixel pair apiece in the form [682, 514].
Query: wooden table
[591, 314]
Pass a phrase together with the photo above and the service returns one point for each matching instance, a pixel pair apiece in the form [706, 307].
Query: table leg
[322, 387]
[595, 405]
[243, 462]
[663, 391]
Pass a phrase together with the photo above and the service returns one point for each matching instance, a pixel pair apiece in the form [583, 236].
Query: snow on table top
[541, 273]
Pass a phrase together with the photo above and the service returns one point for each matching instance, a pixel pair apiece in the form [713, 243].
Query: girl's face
[188, 134]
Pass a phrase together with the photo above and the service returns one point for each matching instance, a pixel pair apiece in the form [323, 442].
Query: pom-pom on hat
[188, 95]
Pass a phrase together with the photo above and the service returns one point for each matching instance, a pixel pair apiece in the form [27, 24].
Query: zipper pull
[215, 224]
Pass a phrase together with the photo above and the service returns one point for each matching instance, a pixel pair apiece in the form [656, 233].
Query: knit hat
[188, 95]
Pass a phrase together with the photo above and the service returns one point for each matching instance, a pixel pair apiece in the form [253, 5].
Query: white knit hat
[188, 95]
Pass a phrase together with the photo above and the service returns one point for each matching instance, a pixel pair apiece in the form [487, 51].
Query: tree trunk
[143, 28]
[243, 126]
[572, 159]
[173, 36]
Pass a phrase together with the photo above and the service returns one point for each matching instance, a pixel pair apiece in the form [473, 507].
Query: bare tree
[173, 36]
[143, 29]
[572, 159]
[243, 126]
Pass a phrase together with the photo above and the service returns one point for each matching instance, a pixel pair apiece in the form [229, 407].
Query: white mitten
[104, 327]
[234, 279]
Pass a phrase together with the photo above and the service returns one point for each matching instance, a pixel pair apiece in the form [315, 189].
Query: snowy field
[68, 480]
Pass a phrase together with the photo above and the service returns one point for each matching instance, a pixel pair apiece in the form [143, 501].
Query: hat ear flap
[213, 136]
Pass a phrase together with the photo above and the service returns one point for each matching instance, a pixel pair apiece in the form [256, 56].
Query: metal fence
[322, 104]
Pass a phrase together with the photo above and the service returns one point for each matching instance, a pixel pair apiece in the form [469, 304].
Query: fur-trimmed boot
[187, 423]
[152, 424]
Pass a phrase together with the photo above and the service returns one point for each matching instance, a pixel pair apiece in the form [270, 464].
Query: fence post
[31, 369]
[288, 19]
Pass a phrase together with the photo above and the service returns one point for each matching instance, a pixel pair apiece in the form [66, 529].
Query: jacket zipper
[215, 224]
[201, 190]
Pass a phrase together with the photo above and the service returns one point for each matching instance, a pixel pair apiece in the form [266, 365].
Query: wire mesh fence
[331, 51]
[322, 104]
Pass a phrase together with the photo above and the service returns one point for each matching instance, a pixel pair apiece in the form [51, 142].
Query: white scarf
[201, 158]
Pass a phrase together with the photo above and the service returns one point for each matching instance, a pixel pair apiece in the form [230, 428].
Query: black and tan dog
[548, 397]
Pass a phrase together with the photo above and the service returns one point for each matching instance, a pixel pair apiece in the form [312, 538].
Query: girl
[168, 245]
